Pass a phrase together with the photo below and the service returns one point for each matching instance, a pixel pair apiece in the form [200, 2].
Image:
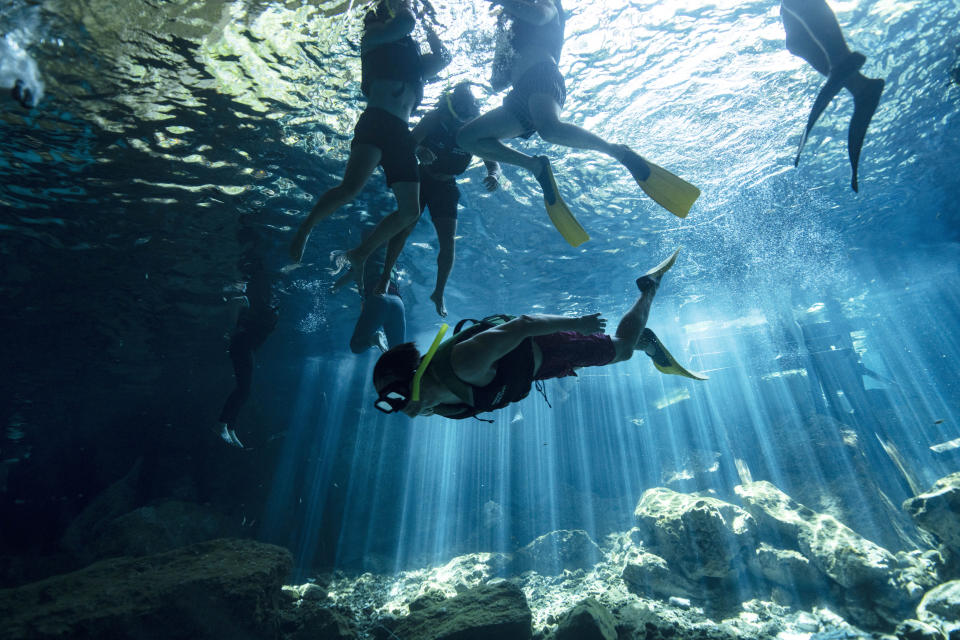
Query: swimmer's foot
[352, 270]
[544, 175]
[650, 281]
[229, 435]
[356, 264]
[298, 244]
[634, 162]
[437, 299]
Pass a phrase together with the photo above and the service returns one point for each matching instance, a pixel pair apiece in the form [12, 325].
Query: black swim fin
[865, 102]
[835, 81]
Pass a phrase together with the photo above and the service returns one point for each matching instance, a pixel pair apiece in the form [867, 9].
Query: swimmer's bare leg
[446, 239]
[361, 164]
[407, 214]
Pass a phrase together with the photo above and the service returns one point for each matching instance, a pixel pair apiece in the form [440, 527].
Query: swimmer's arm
[438, 58]
[472, 359]
[537, 12]
[401, 25]
[426, 125]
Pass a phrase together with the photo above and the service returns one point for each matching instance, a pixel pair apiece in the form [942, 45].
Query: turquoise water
[176, 145]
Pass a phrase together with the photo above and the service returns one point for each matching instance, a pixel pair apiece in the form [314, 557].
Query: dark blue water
[176, 146]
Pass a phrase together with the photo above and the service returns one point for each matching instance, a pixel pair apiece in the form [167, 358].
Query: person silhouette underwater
[529, 43]
[488, 366]
[813, 33]
[441, 161]
[393, 76]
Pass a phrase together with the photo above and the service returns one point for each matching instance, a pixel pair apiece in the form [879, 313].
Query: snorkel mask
[394, 397]
[461, 102]
[381, 12]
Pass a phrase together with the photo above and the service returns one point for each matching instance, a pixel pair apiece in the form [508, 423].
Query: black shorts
[391, 135]
[441, 196]
[565, 351]
[543, 77]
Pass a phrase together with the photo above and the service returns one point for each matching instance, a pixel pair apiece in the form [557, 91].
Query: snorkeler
[254, 325]
[814, 35]
[526, 58]
[393, 75]
[441, 161]
[494, 363]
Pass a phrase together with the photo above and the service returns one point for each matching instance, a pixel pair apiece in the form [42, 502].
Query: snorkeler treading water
[814, 34]
[494, 363]
[393, 75]
[526, 59]
[441, 161]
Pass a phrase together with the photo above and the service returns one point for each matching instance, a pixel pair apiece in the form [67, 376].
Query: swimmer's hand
[492, 182]
[426, 156]
[592, 323]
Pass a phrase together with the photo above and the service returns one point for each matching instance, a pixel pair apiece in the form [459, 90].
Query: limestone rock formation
[701, 536]
[589, 620]
[495, 610]
[553, 552]
[223, 588]
[940, 607]
[938, 510]
[646, 574]
[848, 558]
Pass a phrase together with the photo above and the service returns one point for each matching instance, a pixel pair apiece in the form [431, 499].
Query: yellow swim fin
[560, 215]
[663, 361]
[652, 278]
[671, 192]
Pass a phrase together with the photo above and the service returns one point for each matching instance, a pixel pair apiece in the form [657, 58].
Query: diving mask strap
[453, 111]
[389, 6]
[415, 387]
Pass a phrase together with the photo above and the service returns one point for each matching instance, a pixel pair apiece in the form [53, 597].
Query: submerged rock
[498, 610]
[311, 622]
[158, 528]
[916, 630]
[879, 589]
[646, 574]
[787, 568]
[702, 537]
[941, 607]
[556, 551]
[846, 557]
[224, 588]
[938, 510]
[589, 620]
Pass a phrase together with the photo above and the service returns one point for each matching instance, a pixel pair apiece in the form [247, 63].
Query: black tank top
[511, 383]
[549, 35]
[398, 60]
[521, 34]
[442, 140]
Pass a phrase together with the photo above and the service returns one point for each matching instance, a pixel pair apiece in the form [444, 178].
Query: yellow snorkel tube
[415, 387]
[449, 102]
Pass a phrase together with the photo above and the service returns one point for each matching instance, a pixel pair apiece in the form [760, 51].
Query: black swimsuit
[442, 196]
[398, 61]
